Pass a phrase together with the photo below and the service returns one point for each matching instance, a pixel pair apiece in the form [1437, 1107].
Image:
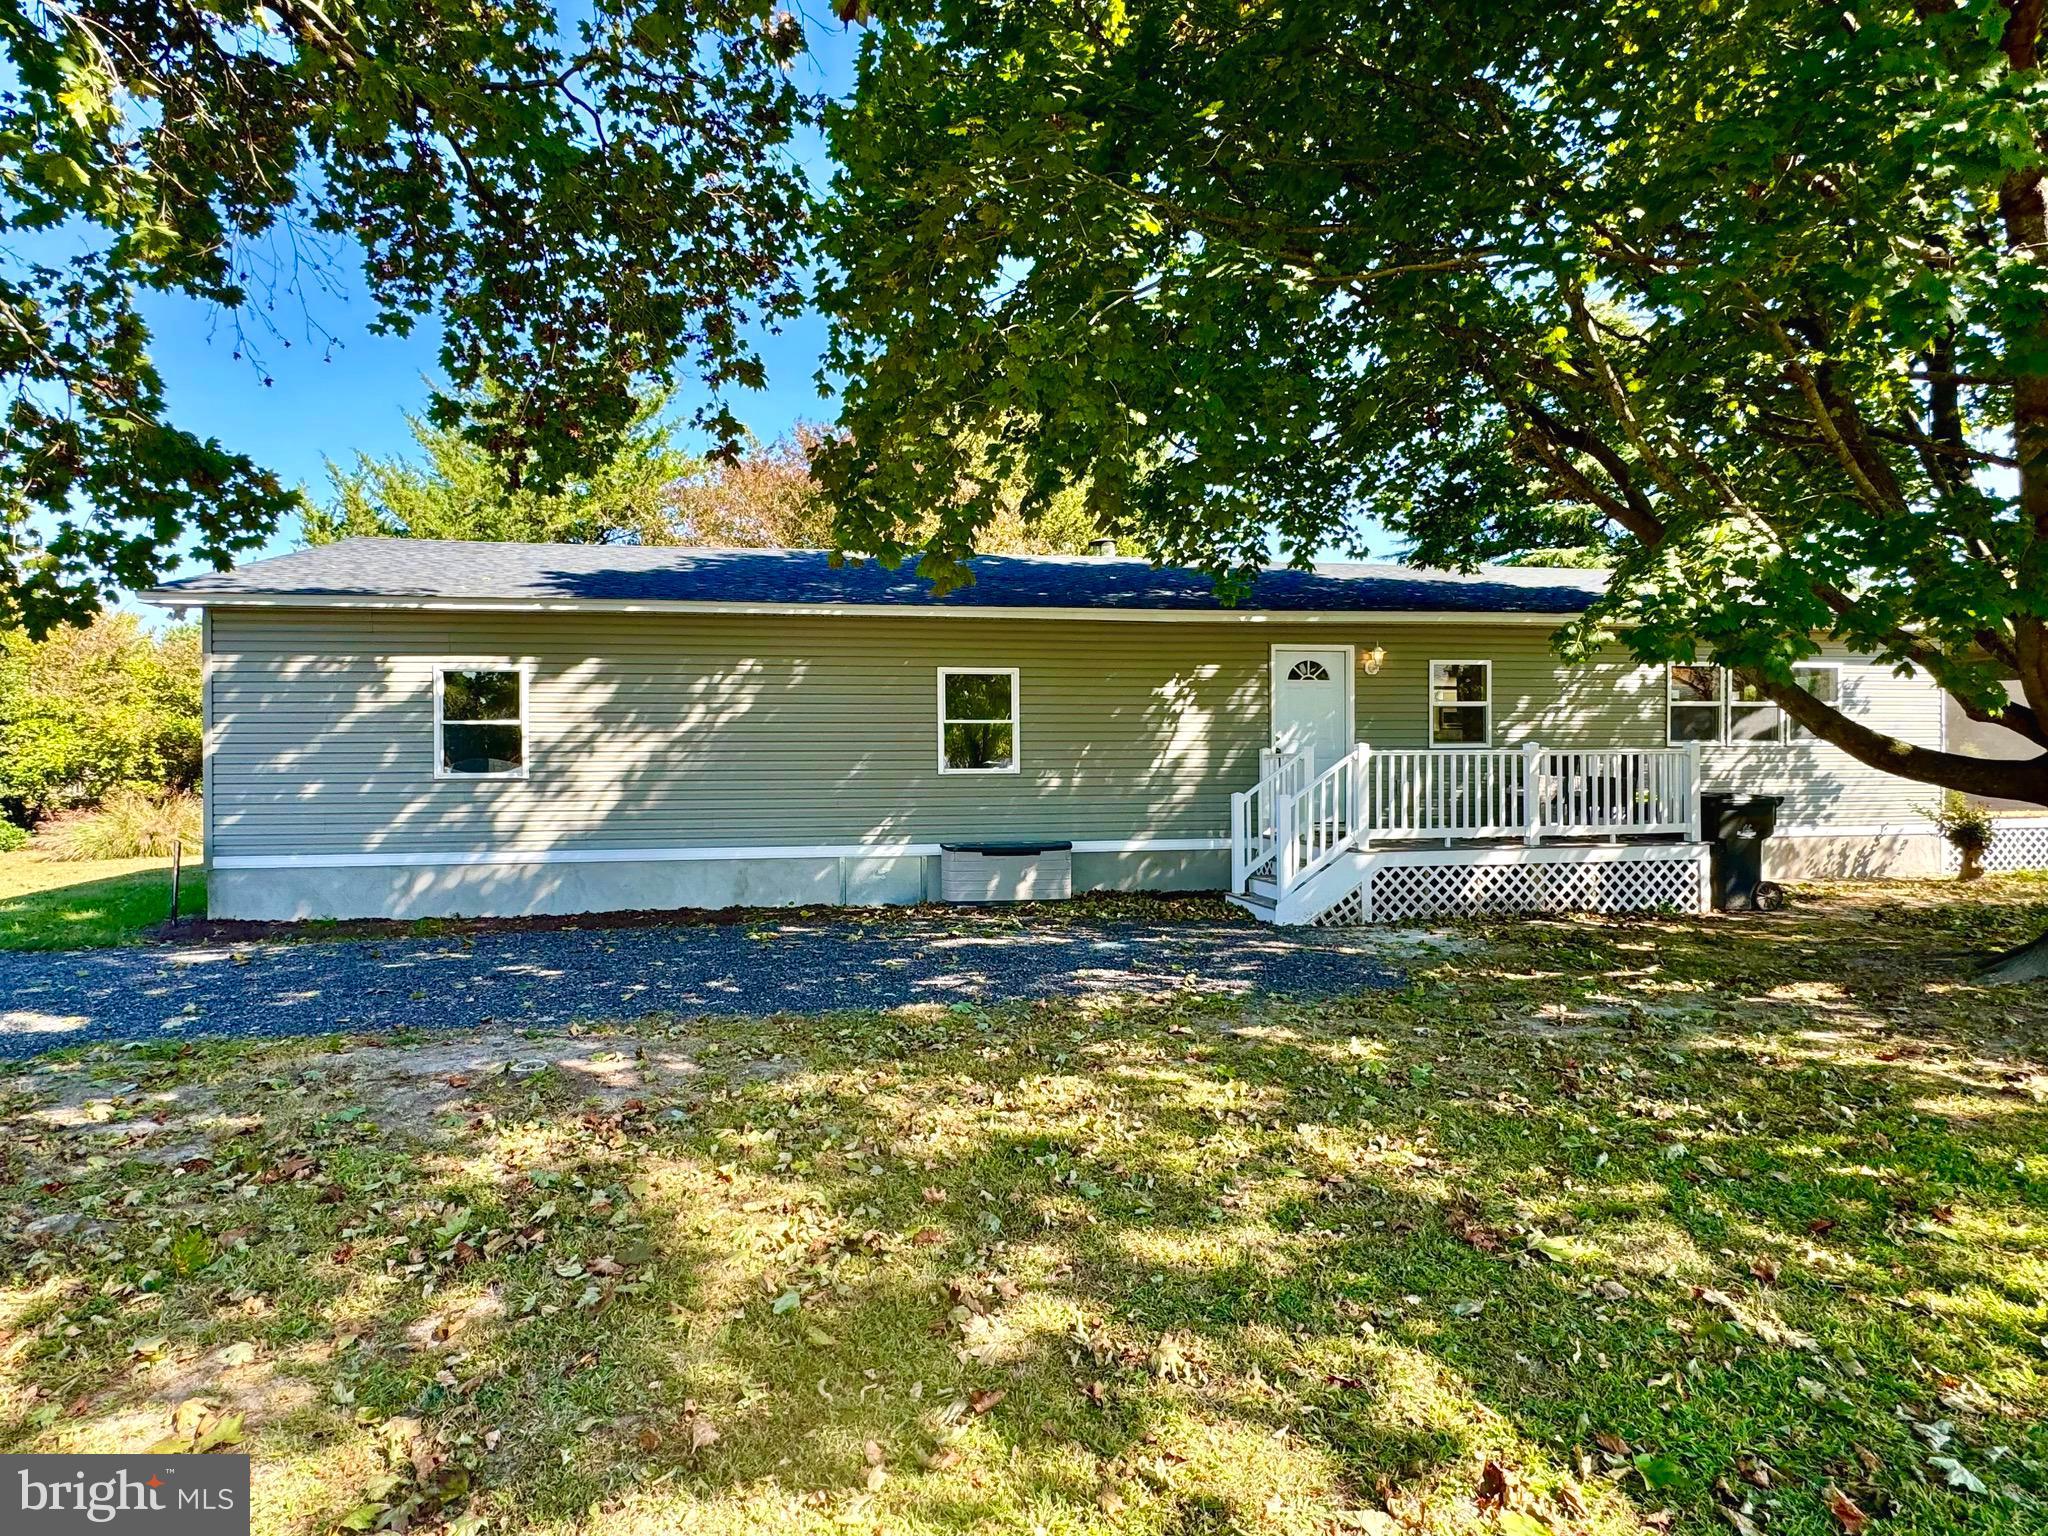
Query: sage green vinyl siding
[723, 731]
[1824, 787]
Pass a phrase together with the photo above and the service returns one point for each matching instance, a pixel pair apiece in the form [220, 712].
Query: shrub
[90, 710]
[1966, 824]
[128, 825]
[12, 838]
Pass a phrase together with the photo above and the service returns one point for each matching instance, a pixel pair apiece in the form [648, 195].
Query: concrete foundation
[625, 885]
[1886, 856]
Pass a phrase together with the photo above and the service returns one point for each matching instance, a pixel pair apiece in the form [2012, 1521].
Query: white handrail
[1256, 815]
[1290, 824]
[1608, 791]
[1531, 792]
[1323, 819]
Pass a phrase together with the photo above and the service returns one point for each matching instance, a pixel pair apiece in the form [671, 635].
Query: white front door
[1312, 701]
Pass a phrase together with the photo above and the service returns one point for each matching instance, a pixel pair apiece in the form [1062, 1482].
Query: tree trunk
[2027, 963]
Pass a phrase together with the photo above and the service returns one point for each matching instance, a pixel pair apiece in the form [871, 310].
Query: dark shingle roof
[450, 571]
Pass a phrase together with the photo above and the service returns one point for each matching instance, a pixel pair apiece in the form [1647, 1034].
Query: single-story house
[405, 728]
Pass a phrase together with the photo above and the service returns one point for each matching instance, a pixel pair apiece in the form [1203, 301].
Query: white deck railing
[1290, 824]
[1255, 815]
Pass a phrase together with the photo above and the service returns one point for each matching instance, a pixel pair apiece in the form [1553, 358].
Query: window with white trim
[1693, 698]
[978, 721]
[1822, 679]
[1711, 704]
[1460, 703]
[479, 723]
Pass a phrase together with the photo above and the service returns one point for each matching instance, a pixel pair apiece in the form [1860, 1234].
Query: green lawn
[48, 905]
[1694, 1225]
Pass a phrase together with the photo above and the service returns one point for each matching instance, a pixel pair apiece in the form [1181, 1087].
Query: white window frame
[1790, 738]
[1430, 704]
[525, 671]
[1719, 705]
[1015, 722]
[1782, 737]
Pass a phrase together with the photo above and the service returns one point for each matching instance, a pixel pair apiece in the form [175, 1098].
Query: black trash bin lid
[1732, 800]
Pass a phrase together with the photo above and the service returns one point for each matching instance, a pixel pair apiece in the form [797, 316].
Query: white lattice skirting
[1399, 887]
[2017, 842]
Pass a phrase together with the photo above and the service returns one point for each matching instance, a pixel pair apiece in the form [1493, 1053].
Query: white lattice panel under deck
[2016, 843]
[1348, 913]
[1401, 890]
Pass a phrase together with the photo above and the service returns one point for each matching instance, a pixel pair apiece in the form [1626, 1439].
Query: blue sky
[334, 402]
[295, 408]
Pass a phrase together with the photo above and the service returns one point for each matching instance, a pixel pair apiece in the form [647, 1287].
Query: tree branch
[1995, 778]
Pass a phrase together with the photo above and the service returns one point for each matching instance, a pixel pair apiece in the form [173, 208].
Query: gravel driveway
[548, 979]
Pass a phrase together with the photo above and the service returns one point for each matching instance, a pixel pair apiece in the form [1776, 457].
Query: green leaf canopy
[588, 203]
[1754, 291]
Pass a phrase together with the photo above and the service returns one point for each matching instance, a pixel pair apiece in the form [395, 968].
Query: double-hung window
[978, 720]
[1694, 699]
[1711, 704]
[479, 723]
[1460, 703]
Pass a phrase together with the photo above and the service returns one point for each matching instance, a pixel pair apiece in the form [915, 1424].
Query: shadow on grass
[1633, 1210]
[74, 907]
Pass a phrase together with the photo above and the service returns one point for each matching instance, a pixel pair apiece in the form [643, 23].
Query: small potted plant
[1968, 827]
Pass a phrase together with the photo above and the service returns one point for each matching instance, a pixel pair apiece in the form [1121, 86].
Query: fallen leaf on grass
[1462, 1217]
[1659, 1471]
[1496, 1486]
[198, 1426]
[1847, 1515]
[1958, 1475]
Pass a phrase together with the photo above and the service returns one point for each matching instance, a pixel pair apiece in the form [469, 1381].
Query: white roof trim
[183, 600]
